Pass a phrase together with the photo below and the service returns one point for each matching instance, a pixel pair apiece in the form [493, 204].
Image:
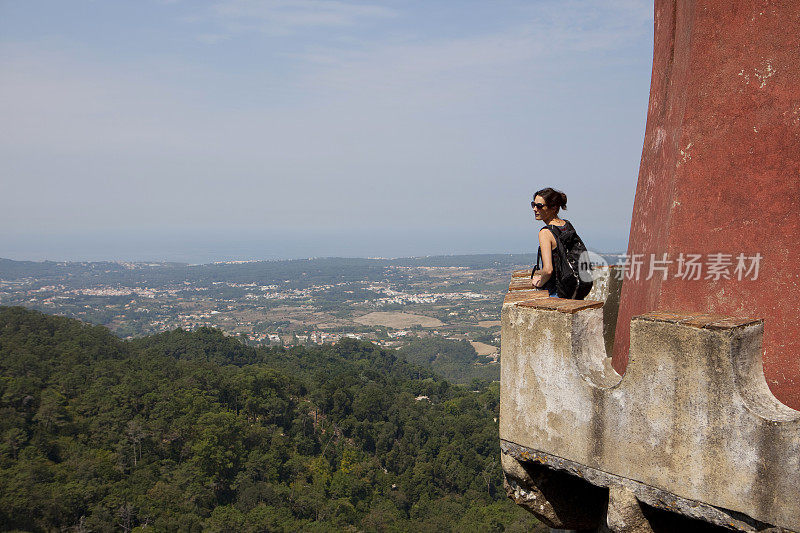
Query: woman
[546, 205]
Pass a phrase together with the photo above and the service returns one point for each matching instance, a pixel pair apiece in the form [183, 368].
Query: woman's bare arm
[546, 243]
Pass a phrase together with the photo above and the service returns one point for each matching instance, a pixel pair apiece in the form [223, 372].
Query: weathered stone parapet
[608, 288]
[692, 423]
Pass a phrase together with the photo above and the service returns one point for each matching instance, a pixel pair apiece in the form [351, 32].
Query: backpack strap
[556, 231]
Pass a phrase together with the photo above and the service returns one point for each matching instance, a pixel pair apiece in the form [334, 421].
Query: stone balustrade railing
[691, 428]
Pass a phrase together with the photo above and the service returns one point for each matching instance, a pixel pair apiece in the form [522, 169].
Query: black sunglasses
[537, 204]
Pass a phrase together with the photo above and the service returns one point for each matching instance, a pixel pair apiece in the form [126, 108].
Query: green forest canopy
[196, 431]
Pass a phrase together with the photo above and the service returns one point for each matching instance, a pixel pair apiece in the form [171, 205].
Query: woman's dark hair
[552, 197]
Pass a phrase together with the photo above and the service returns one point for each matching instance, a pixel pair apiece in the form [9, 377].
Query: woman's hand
[537, 280]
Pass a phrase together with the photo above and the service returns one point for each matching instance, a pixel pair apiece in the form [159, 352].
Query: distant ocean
[206, 246]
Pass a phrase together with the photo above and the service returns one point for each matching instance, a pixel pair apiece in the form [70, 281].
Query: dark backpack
[572, 276]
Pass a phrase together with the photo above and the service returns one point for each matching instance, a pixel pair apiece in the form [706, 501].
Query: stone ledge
[522, 273]
[698, 320]
[521, 284]
[561, 304]
[692, 415]
[650, 495]
[524, 295]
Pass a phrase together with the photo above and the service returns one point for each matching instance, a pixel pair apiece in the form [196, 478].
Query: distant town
[287, 303]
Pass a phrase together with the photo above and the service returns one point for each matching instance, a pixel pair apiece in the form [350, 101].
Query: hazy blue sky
[204, 130]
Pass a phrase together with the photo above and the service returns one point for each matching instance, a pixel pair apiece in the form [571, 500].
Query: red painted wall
[720, 172]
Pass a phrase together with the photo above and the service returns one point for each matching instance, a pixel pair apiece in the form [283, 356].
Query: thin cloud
[212, 38]
[470, 68]
[289, 16]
